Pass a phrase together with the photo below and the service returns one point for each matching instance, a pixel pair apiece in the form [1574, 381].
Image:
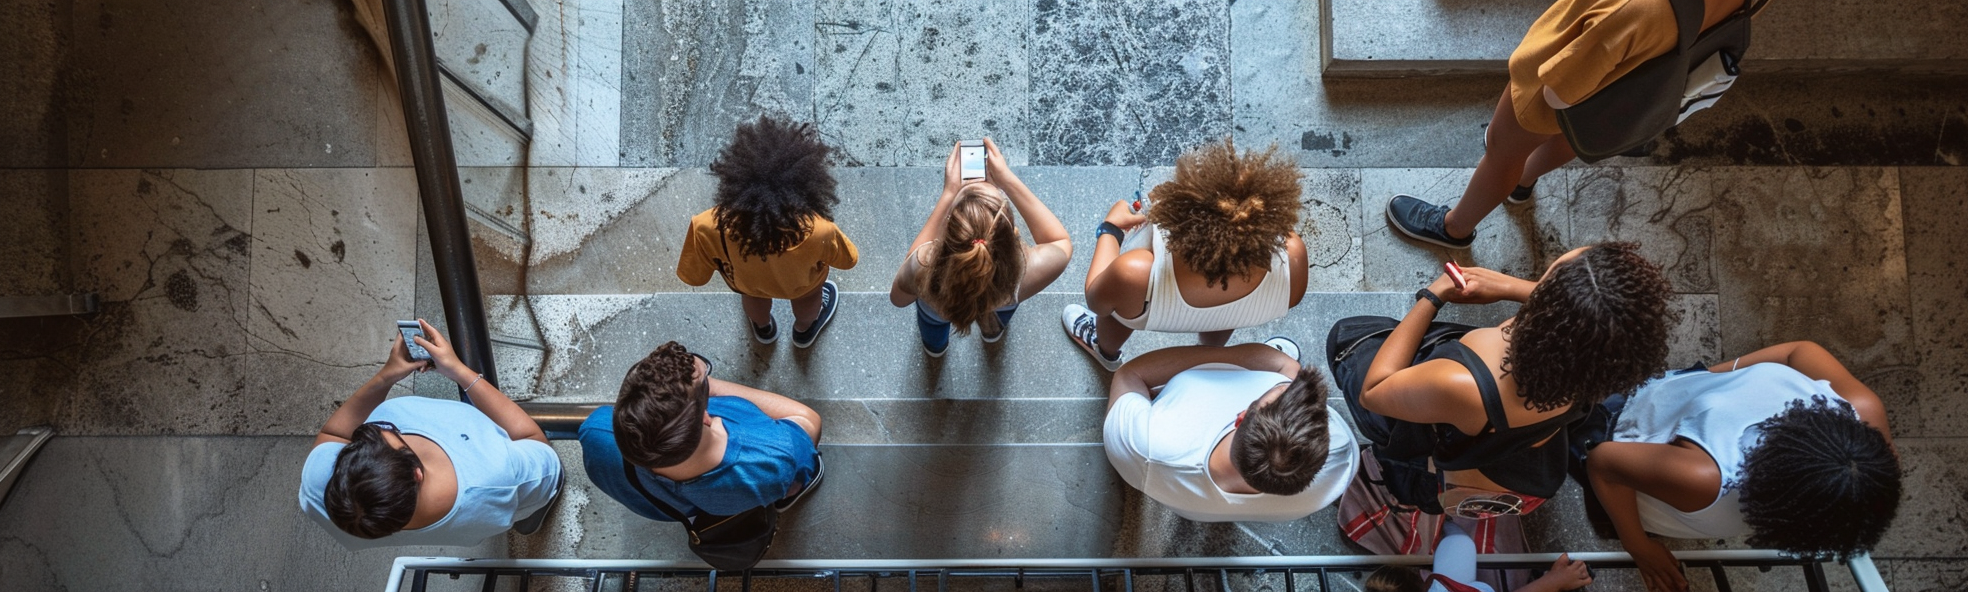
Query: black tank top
[1510, 456]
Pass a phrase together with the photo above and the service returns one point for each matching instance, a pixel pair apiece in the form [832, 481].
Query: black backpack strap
[628, 470]
[1688, 15]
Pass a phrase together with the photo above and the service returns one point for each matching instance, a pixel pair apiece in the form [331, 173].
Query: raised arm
[1814, 361]
[350, 415]
[1153, 369]
[902, 290]
[1397, 353]
[773, 405]
[1118, 282]
[1684, 478]
[1052, 246]
[487, 398]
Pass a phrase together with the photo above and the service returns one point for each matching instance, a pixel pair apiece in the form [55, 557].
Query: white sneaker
[1284, 344]
[1080, 322]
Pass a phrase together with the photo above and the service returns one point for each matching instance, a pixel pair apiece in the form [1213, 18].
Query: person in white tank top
[1224, 254]
[1783, 445]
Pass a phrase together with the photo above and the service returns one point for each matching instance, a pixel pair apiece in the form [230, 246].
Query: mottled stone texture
[34, 47]
[1935, 199]
[901, 81]
[1134, 84]
[691, 70]
[220, 84]
[574, 66]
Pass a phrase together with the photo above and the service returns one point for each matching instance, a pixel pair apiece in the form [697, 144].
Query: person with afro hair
[1221, 253]
[771, 233]
[1783, 445]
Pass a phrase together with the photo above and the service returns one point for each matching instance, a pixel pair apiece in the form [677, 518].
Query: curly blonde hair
[1227, 215]
[976, 266]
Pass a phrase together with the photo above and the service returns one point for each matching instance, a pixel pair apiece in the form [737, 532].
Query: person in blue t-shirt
[699, 444]
[423, 471]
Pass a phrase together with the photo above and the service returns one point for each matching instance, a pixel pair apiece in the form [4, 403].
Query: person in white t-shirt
[1222, 434]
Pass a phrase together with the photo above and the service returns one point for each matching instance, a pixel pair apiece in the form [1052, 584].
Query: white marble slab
[574, 71]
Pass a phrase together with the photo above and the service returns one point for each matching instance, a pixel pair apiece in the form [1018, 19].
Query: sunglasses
[708, 366]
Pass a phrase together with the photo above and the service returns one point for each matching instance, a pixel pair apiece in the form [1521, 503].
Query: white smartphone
[413, 329]
[970, 157]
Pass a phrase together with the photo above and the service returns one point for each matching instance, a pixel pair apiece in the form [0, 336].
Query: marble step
[1392, 38]
[870, 352]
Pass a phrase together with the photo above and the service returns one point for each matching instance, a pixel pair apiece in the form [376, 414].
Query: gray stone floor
[232, 178]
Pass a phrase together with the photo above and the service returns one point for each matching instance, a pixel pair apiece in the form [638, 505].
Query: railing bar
[837, 576]
[712, 581]
[745, 580]
[417, 583]
[1127, 578]
[1814, 577]
[505, 113]
[1222, 580]
[522, 12]
[1291, 584]
[1324, 585]
[1189, 577]
[1721, 577]
[632, 582]
[594, 580]
[491, 582]
[912, 580]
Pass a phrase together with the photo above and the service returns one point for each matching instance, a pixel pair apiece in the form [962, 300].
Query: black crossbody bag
[1624, 117]
[732, 543]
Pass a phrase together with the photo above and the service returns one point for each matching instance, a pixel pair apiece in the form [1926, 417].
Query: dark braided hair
[1821, 483]
[1281, 447]
[772, 181]
[1595, 326]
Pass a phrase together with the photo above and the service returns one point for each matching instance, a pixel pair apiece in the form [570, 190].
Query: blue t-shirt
[500, 480]
[763, 459]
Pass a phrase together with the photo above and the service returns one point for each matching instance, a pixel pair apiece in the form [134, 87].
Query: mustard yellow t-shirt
[1580, 46]
[787, 275]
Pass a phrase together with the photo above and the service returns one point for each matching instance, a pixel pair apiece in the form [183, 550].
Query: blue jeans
[936, 331]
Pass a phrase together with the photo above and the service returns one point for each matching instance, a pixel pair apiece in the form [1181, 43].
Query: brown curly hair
[1227, 215]
[772, 182]
[1594, 326]
[976, 266]
[659, 413]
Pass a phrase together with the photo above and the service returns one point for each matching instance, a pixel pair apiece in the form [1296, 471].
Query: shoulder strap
[1485, 383]
[628, 470]
[1688, 15]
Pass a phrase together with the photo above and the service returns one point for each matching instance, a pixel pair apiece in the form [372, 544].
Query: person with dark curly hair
[1488, 406]
[1783, 445]
[1222, 253]
[968, 267]
[423, 471]
[771, 233]
[698, 444]
[1222, 434]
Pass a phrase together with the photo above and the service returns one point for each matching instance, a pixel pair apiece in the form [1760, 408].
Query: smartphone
[1138, 204]
[970, 157]
[1455, 275]
[411, 329]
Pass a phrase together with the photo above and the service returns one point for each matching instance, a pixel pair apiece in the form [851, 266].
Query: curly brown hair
[1595, 326]
[659, 414]
[1227, 215]
[976, 266]
[772, 181]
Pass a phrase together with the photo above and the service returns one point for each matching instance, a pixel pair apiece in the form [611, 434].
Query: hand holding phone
[1138, 204]
[970, 156]
[410, 329]
[1455, 275]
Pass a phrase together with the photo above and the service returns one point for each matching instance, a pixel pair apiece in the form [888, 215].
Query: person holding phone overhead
[1576, 49]
[1223, 254]
[968, 266]
[423, 471]
[771, 234]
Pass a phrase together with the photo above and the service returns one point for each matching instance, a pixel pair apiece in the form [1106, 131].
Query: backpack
[1629, 113]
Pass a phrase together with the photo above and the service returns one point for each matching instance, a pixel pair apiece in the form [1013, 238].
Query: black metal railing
[1289, 574]
[419, 81]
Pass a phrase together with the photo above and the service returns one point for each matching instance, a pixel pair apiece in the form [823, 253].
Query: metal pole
[437, 183]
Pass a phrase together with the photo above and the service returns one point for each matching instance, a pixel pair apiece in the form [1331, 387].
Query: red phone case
[1455, 275]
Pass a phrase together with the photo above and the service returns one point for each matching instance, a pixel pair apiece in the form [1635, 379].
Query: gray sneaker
[1423, 221]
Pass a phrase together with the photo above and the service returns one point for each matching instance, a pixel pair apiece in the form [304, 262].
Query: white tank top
[1168, 312]
[1719, 412]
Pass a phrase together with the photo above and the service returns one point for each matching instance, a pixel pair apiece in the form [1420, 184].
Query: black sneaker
[829, 296]
[1424, 222]
[767, 334]
[1522, 193]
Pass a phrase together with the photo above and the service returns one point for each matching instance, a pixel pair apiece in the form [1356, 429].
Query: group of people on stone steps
[1447, 427]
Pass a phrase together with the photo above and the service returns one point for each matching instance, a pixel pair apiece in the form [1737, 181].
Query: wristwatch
[1424, 293]
[1109, 228]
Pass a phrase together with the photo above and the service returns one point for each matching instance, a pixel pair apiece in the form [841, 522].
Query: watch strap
[1430, 296]
[1109, 228]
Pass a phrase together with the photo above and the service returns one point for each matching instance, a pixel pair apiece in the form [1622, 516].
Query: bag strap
[635, 481]
[1688, 15]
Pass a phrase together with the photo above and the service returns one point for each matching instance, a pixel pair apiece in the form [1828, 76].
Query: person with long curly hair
[771, 234]
[1783, 445]
[1488, 407]
[1222, 254]
[968, 267]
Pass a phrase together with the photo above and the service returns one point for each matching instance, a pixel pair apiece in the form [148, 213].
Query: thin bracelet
[474, 383]
[1739, 361]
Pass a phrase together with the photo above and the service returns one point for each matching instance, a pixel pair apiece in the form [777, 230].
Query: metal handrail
[419, 82]
[1863, 571]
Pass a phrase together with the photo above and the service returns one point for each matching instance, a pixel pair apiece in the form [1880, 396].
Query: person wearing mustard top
[1572, 52]
[771, 234]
